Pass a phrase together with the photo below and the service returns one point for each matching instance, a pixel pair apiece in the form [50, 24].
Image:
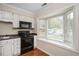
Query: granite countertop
[6, 37]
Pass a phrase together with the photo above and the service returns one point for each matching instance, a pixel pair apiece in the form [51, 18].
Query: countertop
[7, 37]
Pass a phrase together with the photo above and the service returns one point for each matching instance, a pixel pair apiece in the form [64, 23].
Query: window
[55, 28]
[69, 28]
[60, 28]
[42, 28]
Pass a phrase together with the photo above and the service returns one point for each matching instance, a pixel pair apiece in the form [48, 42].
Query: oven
[27, 41]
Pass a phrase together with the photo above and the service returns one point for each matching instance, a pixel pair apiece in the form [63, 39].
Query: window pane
[69, 29]
[42, 28]
[55, 28]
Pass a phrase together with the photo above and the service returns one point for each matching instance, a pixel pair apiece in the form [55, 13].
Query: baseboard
[45, 51]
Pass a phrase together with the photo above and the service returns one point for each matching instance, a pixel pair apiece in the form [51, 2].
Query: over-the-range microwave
[25, 25]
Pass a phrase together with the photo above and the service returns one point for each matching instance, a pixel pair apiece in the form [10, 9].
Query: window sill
[59, 44]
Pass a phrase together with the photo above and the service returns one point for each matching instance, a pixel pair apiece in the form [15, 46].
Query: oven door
[26, 45]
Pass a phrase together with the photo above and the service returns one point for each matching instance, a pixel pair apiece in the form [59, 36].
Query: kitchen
[12, 22]
[39, 29]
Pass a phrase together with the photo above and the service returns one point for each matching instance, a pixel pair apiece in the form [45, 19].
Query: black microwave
[25, 25]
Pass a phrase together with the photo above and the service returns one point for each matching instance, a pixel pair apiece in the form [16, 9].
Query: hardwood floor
[35, 52]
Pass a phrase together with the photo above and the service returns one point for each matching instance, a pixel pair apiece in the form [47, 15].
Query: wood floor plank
[35, 52]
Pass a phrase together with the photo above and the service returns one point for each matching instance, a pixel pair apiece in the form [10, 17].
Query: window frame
[47, 27]
[71, 9]
[65, 18]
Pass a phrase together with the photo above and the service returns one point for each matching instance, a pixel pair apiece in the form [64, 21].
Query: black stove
[27, 41]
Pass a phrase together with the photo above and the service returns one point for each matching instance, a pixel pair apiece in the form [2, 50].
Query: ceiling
[33, 7]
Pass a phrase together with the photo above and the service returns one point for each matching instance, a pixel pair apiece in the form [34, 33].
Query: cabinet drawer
[4, 42]
[17, 41]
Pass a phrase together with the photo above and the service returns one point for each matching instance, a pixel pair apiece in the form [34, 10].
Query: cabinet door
[27, 19]
[22, 18]
[7, 48]
[16, 46]
[35, 41]
[6, 16]
[15, 24]
[33, 22]
[16, 18]
[1, 50]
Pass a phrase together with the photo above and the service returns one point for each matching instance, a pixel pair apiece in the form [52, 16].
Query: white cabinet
[16, 19]
[16, 46]
[33, 23]
[6, 16]
[10, 47]
[1, 50]
[23, 18]
[35, 41]
[6, 48]
[15, 24]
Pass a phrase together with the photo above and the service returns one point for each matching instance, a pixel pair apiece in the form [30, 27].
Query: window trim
[65, 17]
[62, 14]
[47, 27]
[58, 44]
[76, 25]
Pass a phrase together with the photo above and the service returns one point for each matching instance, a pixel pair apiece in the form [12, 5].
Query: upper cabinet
[18, 18]
[15, 16]
[6, 16]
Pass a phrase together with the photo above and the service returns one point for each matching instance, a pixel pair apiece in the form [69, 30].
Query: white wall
[52, 9]
[53, 49]
[7, 28]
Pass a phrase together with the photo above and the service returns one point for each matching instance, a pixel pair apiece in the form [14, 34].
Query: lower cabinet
[35, 41]
[10, 47]
[16, 46]
[6, 48]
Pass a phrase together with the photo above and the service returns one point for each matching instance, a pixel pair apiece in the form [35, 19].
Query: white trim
[60, 45]
[57, 12]
[45, 51]
[55, 17]
[14, 7]
[64, 15]
[16, 10]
